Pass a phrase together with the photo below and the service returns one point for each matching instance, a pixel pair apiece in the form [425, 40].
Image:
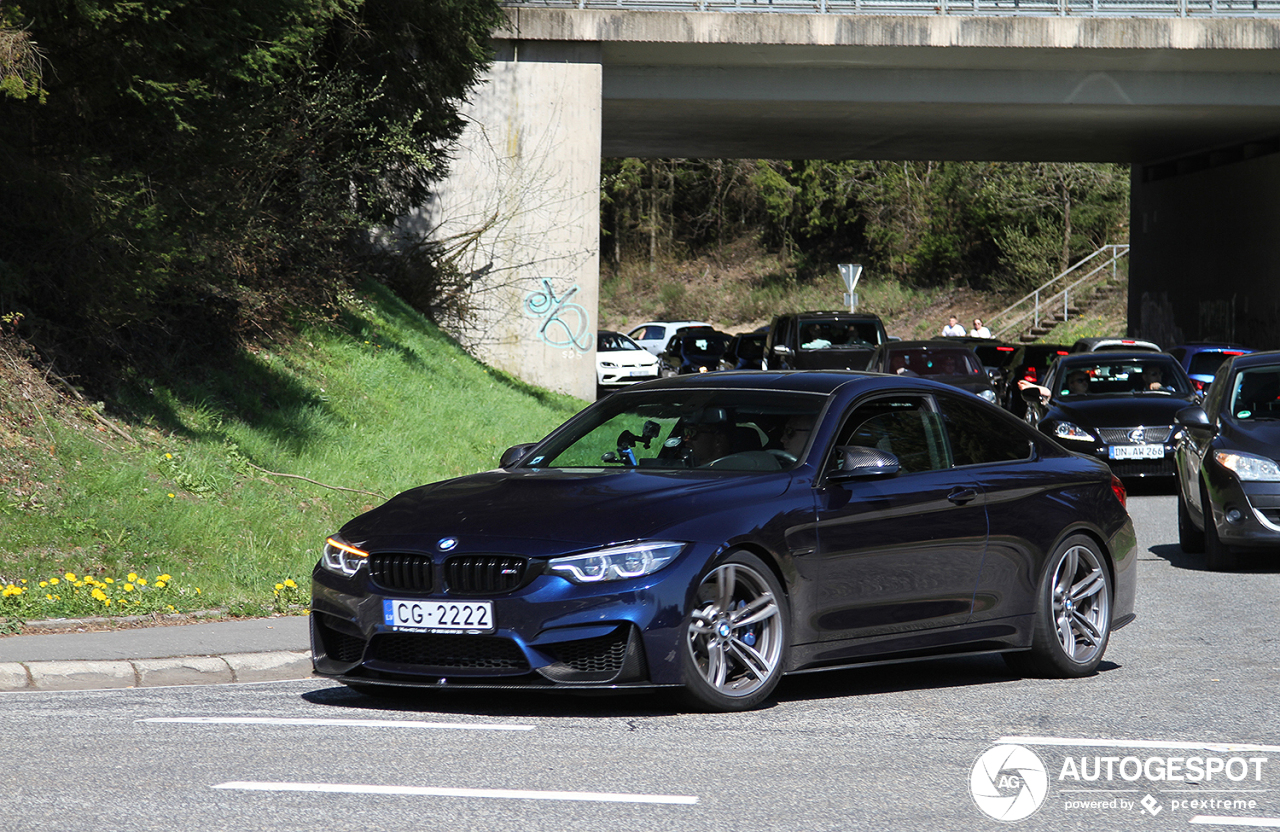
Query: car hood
[551, 511]
[1120, 411]
[1261, 437]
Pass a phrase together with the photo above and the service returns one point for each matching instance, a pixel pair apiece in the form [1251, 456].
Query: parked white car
[654, 335]
[621, 361]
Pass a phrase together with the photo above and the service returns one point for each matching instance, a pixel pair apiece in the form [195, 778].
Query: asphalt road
[1187, 688]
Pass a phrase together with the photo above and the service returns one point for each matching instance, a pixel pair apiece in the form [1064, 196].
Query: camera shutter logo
[1008, 782]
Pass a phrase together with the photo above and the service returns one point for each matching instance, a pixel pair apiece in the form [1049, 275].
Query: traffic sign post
[850, 273]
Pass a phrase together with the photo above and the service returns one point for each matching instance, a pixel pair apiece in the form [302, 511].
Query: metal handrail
[1113, 251]
[985, 8]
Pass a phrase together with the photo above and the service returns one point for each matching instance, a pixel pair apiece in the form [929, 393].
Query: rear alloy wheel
[1218, 556]
[1073, 614]
[735, 636]
[1190, 538]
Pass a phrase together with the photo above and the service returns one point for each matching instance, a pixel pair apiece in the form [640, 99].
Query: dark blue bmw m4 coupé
[713, 532]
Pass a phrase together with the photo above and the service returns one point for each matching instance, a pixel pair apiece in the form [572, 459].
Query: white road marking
[1221, 747]
[427, 791]
[357, 723]
[1271, 823]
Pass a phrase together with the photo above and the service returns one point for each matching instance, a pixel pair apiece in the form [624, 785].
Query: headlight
[1066, 430]
[1247, 467]
[988, 395]
[342, 557]
[617, 562]
[607, 364]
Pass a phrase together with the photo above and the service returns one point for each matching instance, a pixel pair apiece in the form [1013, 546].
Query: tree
[186, 160]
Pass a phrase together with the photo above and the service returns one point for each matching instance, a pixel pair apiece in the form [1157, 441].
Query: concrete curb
[183, 670]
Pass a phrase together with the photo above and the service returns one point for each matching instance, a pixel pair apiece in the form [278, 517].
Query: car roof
[929, 343]
[836, 313]
[1115, 355]
[1118, 341]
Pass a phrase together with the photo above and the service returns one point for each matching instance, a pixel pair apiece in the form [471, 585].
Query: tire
[1072, 616]
[735, 636]
[1218, 556]
[1190, 538]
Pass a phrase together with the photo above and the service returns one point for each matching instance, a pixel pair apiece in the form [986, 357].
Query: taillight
[1118, 488]
[1030, 374]
[1199, 385]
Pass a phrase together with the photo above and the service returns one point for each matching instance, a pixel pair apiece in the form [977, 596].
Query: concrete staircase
[1089, 282]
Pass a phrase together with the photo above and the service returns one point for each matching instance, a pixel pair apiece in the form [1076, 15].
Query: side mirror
[857, 463]
[779, 349]
[1193, 417]
[514, 454]
[1031, 395]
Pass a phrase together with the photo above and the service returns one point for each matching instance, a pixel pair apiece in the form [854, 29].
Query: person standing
[953, 328]
[979, 329]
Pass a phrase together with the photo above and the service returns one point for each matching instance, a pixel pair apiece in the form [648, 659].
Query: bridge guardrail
[985, 8]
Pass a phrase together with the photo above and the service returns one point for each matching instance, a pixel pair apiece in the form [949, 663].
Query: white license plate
[641, 372]
[438, 616]
[1137, 452]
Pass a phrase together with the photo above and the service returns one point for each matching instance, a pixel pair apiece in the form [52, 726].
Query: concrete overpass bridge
[1185, 91]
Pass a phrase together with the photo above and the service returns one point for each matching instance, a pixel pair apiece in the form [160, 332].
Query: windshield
[712, 344]
[1157, 375]
[729, 430]
[615, 342]
[930, 361]
[836, 335]
[1256, 394]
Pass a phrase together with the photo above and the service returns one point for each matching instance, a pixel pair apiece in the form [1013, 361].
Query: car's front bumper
[550, 633]
[1246, 514]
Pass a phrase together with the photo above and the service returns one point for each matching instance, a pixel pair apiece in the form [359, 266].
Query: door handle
[960, 495]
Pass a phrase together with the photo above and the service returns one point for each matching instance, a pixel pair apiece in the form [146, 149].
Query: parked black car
[1228, 476]
[1031, 363]
[744, 352]
[945, 360]
[693, 350]
[717, 531]
[823, 341]
[1111, 405]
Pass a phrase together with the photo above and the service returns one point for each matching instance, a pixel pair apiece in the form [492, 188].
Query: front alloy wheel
[1073, 614]
[736, 634]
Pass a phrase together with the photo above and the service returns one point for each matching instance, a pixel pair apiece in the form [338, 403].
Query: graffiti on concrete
[564, 325]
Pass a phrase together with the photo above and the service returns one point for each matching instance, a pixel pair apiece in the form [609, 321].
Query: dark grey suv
[823, 341]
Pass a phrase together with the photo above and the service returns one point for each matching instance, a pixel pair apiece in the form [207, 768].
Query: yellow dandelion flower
[168, 456]
[99, 594]
[290, 583]
[44, 584]
[128, 587]
[70, 576]
[160, 584]
[170, 495]
[54, 582]
[78, 584]
[170, 608]
[165, 577]
[142, 582]
[279, 587]
[133, 576]
[197, 590]
[48, 597]
[107, 602]
[109, 580]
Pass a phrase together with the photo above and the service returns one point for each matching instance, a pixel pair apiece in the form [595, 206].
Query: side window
[905, 426]
[1217, 391]
[979, 435]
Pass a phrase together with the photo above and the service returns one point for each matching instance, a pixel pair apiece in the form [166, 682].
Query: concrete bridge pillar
[521, 211]
[1204, 261]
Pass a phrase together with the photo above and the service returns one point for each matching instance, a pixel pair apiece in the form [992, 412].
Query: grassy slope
[369, 407]
[377, 405]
